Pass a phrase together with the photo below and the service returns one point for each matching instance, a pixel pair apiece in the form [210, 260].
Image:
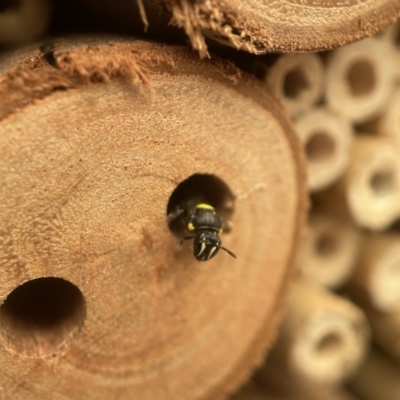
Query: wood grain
[90, 153]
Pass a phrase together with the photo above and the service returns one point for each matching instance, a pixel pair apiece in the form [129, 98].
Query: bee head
[206, 245]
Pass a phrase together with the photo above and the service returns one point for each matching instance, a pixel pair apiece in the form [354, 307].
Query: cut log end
[91, 151]
[260, 27]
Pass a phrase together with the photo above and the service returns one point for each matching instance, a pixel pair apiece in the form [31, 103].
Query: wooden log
[297, 80]
[260, 27]
[359, 79]
[327, 138]
[369, 190]
[377, 379]
[24, 21]
[323, 337]
[376, 279]
[329, 249]
[99, 298]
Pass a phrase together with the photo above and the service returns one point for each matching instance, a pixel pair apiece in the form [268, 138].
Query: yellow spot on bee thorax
[190, 227]
[205, 206]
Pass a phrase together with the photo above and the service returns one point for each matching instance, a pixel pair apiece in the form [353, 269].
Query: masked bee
[204, 226]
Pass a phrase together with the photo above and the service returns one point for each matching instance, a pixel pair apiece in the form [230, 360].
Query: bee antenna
[228, 251]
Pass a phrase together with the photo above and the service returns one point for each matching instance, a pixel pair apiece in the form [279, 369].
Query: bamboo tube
[376, 279]
[260, 27]
[359, 79]
[24, 21]
[298, 81]
[385, 328]
[327, 139]
[392, 37]
[323, 337]
[377, 379]
[389, 122]
[93, 148]
[271, 384]
[274, 383]
[252, 392]
[329, 250]
[369, 190]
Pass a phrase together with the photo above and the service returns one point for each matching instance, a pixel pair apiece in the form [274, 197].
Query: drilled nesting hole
[320, 147]
[361, 78]
[200, 188]
[329, 344]
[326, 245]
[6, 5]
[295, 82]
[40, 315]
[382, 183]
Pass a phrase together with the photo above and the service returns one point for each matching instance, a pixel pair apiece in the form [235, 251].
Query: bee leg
[186, 238]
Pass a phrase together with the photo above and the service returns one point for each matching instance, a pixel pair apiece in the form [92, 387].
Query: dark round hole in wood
[40, 315]
[200, 188]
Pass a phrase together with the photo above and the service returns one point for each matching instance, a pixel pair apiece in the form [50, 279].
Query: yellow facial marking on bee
[190, 227]
[204, 205]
